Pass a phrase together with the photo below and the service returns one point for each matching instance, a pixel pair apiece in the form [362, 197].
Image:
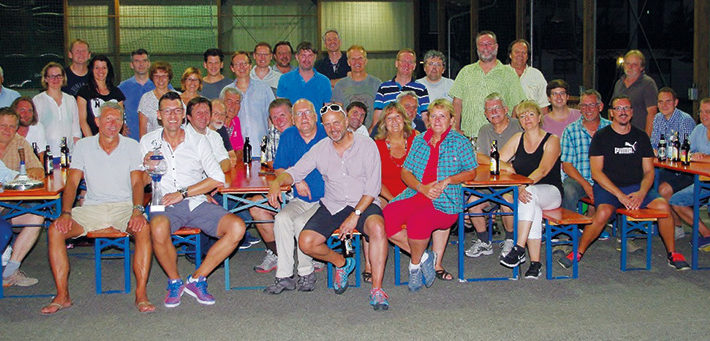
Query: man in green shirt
[476, 81]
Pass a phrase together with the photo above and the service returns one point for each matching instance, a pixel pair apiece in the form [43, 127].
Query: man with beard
[30, 126]
[640, 88]
[305, 81]
[621, 161]
[282, 57]
[476, 81]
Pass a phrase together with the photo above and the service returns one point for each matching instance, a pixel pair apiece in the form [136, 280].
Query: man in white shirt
[437, 85]
[199, 111]
[30, 126]
[531, 79]
[192, 171]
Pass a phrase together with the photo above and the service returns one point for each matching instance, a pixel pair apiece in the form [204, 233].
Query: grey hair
[303, 100]
[329, 31]
[404, 94]
[112, 104]
[435, 54]
[492, 97]
[229, 90]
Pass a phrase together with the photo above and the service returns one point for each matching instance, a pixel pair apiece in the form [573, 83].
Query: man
[476, 81]
[282, 57]
[668, 121]
[6, 95]
[621, 160]
[358, 85]
[500, 128]
[199, 112]
[436, 85]
[214, 81]
[134, 88]
[30, 126]
[111, 165]
[192, 172]
[219, 116]
[256, 96]
[577, 179]
[281, 119]
[561, 115]
[305, 81]
[350, 165]
[10, 142]
[357, 112]
[262, 70]
[77, 72]
[289, 222]
[641, 88]
[334, 63]
[531, 79]
[410, 102]
[388, 91]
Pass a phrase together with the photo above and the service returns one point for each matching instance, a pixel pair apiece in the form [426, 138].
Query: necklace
[389, 153]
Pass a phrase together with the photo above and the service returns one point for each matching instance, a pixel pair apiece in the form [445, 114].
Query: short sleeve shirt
[439, 89]
[133, 92]
[623, 154]
[291, 148]
[94, 101]
[213, 90]
[699, 142]
[294, 87]
[74, 81]
[348, 90]
[487, 134]
[390, 89]
[643, 94]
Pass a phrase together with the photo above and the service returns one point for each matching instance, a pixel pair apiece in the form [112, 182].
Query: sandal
[145, 307]
[367, 276]
[54, 307]
[443, 275]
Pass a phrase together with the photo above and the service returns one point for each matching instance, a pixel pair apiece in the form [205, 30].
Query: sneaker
[307, 282]
[198, 289]
[175, 290]
[268, 264]
[506, 247]
[416, 280]
[534, 270]
[6, 255]
[604, 235]
[340, 279]
[679, 232]
[479, 248]
[631, 246]
[248, 241]
[379, 299]
[566, 261]
[677, 261]
[281, 284]
[703, 243]
[428, 270]
[318, 266]
[19, 279]
[515, 257]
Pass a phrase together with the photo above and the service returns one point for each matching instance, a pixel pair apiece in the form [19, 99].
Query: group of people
[386, 159]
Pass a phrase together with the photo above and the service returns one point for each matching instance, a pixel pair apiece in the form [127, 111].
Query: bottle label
[662, 153]
[494, 165]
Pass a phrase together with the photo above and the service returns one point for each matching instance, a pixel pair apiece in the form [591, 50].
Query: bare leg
[665, 225]
[59, 263]
[375, 229]
[27, 237]
[313, 244]
[666, 191]
[439, 240]
[266, 230]
[686, 215]
[142, 260]
[593, 230]
[230, 231]
[534, 249]
[366, 254]
[163, 245]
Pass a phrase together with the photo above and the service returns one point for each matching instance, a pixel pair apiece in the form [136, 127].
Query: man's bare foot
[145, 307]
[54, 307]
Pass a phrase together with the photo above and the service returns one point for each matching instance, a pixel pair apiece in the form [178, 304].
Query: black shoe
[515, 257]
[534, 270]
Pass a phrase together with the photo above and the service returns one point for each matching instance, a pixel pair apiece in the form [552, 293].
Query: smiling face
[357, 61]
[558, 97]
[283, 56]
[281, 117]
[262, 56]
[100, 71]
[241, 65]
[335, 125]
[304, 117]
[305, 59]
[140, 64]
[705, 114]
[79, 53]
[394, 122]
[171, 114]
[213, 65]
[529, 119]
[666, 103]
[233, 103]
[110, 122]
[332, 42]
[622, 110]
[8, 128]
[590, 108]
[487, 48]
[192, 83]
[161, 79]
[440, 120]
[519, 55]
[632, 66]
[219, 115]
[26, 113]
[495, 111]
[200, 117]
[355, 117]
[410, 104]
[54, 77]
[405, 64]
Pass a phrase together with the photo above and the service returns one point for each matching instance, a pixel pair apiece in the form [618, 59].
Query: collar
[430, 133]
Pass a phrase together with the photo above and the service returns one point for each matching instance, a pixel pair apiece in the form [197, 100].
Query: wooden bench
[562, 221]
[637, 220]
[334, 242]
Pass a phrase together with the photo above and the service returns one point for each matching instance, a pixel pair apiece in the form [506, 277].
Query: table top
[484, 178]
[699, 168]
[257, 181]
[53, 187]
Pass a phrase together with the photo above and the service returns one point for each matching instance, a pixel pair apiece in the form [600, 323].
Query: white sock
[413, 267]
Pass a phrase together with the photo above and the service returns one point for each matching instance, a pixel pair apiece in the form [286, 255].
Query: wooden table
[701, 176]
[44, 201]
[498, 185]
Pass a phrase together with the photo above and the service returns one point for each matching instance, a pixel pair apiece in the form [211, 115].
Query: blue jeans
[573, 191]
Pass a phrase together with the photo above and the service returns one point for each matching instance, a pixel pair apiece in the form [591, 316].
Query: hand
[430, 190]
[303, 189]
[146, 158]
[441, 185]
[523, 195]
[348, 226]
[63, 223]
[588, 190]
[274, 195]
[172, 198]
[212, 200]
[137, 222]
[697, 156]
[635, 200]
[36, 173]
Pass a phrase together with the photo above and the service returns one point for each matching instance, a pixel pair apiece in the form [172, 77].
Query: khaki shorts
[101, 216]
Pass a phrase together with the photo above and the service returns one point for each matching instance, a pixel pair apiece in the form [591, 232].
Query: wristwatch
[183, 191]
[358, 212]
[140, 208]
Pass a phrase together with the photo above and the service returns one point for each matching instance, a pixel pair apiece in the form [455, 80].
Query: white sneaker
[479, 248]
[6, 255]
[679, 232]
[507, 246]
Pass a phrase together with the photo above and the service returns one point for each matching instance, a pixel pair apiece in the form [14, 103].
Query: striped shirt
[680, 121]
[575, 147]
[389, 91]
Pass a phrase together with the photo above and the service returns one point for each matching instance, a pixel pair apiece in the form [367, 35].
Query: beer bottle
[35, 149]
[23, 168]
[48, 162]
[495, 158]
[685, 151]
[246, 151]
[662, 148]
[263, 149]
[676, 147]
[64, 154]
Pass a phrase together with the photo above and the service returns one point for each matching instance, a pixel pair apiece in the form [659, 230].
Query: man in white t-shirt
[437, 85]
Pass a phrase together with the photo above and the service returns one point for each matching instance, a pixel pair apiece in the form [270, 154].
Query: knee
[160, 229]
[375, 228]
[665, 190]
[306, 242]
[660, 204]
[233, 228]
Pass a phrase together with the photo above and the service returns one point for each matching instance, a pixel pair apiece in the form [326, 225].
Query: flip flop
[57, 307]
[367, 276]
[443, 275]
[145, 307]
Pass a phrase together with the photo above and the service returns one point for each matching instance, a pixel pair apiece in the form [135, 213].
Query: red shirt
[392, 167]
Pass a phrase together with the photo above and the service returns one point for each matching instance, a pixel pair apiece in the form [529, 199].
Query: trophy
[22, 181]
[156, 167]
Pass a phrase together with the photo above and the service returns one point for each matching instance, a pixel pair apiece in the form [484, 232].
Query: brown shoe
[20, 279]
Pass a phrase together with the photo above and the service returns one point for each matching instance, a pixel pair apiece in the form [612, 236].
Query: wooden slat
[562, 216]
[642, 214]
[187, 231]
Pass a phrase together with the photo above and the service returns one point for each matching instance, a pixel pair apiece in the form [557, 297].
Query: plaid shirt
[455, 156]
[273, 136]
[575, 147]
[680, 121]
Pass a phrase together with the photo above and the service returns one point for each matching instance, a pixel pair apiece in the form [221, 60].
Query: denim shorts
[684, 197]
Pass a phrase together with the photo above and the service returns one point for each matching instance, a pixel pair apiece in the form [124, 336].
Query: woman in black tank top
[535, 154]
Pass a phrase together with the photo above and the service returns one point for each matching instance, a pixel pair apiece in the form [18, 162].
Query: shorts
[677, 180]
[101, 216]
[205, 217]
[602, 196]
[325, 223]
[685, 196]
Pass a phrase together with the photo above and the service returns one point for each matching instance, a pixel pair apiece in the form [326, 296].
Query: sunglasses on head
[332, 107]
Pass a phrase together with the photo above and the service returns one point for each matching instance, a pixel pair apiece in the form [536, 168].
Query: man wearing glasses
[350, 165]
[621, 161]
[262, 70]
[437, 85]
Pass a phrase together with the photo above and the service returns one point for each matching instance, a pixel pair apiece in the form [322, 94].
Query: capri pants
[544, 197]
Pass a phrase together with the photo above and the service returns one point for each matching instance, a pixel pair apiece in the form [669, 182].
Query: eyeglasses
[177, 111]
[302, 113]
[624, 108]
[437, 64]
[54, 76]
[331, 107]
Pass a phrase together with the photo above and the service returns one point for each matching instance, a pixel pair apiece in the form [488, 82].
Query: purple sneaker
[175, 290]
[198, 289]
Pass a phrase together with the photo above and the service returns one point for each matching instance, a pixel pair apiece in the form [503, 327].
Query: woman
[57, 111]
[439, 161]
[535, 153]
[161, 73]
[191, 82]
[561, 115]
[99, 90]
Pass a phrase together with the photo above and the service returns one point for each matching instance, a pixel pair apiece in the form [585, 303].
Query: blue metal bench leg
[122, 244]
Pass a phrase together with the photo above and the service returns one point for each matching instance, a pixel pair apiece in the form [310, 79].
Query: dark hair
[109, 76]
[169, 96]
[306, 45]
[358, 104]
[556, 83]
[280, 102]
[527, 47]
[262, 43]
[618, 98]
[213, 52]
[283, 42]
[139, 52]
[195, 101]
[669, 90]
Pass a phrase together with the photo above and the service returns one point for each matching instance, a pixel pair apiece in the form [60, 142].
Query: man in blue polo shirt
[294, 142]
[405, 63]
[305, 81]
[134, 88]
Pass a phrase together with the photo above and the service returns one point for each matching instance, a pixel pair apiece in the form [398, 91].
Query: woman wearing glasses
[191, 82]
[57, 110]
[161, 73]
